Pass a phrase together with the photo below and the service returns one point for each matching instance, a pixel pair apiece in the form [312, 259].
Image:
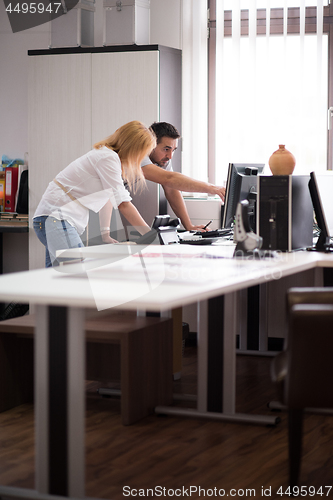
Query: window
[268, 86]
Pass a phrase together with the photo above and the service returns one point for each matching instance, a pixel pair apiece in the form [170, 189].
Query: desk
[157, 278]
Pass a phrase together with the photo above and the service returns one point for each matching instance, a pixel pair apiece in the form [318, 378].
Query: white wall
[165, 29]
[14, 116]
[14, 83]
[166, 23]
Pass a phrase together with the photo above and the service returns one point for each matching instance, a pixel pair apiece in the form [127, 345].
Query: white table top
[160, 278]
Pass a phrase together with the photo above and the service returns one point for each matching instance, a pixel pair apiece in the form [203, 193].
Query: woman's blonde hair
[132, 142]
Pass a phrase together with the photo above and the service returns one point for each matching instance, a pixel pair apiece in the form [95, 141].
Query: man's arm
[177, 204]
[175, 180]
[173, 183]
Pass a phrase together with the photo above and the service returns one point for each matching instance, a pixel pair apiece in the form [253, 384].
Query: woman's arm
[132, 215]
[105, 222]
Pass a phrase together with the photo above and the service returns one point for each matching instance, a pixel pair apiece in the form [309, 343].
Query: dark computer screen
[241, 185]
[321, 189]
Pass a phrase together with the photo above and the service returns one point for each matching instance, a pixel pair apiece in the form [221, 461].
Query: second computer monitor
[241, 185]
[321, 189]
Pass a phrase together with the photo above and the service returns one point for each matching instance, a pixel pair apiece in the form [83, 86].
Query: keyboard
[217, 233]
[198, 241]
[202, 238]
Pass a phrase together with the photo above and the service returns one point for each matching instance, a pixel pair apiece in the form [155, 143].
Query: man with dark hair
[157, 168]
[164, 129]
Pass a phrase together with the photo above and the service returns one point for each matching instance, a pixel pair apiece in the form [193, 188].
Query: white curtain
[195, 97]
[271, 89]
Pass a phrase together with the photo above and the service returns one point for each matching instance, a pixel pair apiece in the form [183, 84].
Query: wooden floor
[176, 453]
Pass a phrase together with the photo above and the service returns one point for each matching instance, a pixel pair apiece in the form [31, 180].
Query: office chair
[303, 372]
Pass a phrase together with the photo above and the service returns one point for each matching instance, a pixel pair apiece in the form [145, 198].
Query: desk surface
[157, 278]
[17, 224]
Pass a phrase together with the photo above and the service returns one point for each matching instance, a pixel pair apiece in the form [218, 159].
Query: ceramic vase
[282, 161]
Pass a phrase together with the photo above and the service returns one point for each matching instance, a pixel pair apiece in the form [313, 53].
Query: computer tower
[284, 212]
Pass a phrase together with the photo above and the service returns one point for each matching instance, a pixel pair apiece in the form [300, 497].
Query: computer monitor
[321, 189]
[241, 185]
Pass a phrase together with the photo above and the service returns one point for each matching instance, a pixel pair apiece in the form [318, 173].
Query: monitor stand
[323, 244]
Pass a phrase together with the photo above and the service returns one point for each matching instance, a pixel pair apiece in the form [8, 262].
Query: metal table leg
[218, 322]
[60, 401]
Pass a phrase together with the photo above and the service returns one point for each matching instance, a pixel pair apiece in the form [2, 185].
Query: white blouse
[92, 179]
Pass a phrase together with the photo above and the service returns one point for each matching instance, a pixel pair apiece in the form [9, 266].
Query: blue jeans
[55, 235]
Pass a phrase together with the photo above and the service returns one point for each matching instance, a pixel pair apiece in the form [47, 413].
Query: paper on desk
[154, 268]
[141, 273]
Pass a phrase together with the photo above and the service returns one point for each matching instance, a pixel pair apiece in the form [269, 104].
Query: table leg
[231, 327]
[59, 401]
[218, 322]
[215, 354]
[254, 330]
[243, 302]
[202, 349]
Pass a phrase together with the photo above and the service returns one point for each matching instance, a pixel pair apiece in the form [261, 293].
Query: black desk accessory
[248, 243]
[163, 232]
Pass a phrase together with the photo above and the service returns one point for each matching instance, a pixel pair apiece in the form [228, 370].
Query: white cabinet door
[59, 124]
[125, 87]
[76, 100]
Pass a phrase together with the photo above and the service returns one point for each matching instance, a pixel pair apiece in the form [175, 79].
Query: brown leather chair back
[309, 295]
[309, 379]
[303, 372]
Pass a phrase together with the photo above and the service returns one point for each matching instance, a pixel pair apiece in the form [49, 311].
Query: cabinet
[78, 96]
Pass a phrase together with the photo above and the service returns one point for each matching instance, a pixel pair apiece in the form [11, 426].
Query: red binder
[11, 182]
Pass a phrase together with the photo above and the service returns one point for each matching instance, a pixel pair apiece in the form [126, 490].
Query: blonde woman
[95, 181]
